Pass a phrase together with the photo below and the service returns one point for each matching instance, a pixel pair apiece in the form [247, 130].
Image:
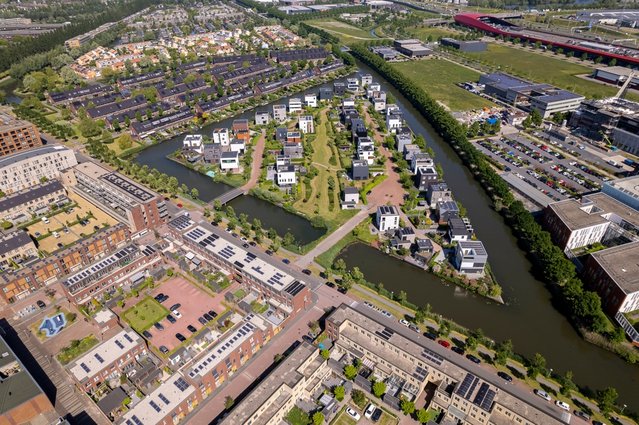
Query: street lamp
[624, 408]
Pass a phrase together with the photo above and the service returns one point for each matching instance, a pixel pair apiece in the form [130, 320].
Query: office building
[578, 223]
[21, 206]
[108, 360]
[470, 257]
[23, 400]
[17, 135]
[624, 190]
[614, 274]
[16, 285]
[297, 377]
[125, 200]
[387, 218]
[617, 75]
[412, 48]
[464, 46]
[15, 248]
[29, 168]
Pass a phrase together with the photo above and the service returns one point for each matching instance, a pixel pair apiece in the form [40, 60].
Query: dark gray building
[325, 93]
[464, 46]
[424, 177]
[294, 149]
[212, 152]
[360, 169]
[438, 192]
[339, 89]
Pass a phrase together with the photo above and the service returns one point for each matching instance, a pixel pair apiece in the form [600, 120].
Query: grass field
[435, 32]
[347, 33]
[438, 78]
[322, 201]
[542, 68]
[144, 314]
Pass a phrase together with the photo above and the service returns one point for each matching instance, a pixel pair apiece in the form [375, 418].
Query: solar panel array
[386, 333]
[420, 373]
[222, 349]
[181, 384]
[134, 421]
[101, 265]
[484, 398]
[467, 386]
[129, 187]
[99, 358]
[85, 367]
[195, 234]
[119, 344]
[181, 222]
[432, 357]
[275, 279]
[155, 406]
[295, 288]
[128, 338]
[163, 398]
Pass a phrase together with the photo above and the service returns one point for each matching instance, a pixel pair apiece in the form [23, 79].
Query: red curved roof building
[493, 25]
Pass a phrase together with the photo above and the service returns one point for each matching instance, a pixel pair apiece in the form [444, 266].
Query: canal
[270, 215]
[528, 318]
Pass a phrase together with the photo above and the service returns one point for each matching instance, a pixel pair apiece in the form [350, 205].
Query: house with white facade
[193, 142]
[306, 124]
[387, 218]
[222, 136]
[310, 100]
[279, 113]
[294, 105]
[230, 161]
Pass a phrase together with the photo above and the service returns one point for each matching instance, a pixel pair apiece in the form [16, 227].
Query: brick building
[17, 135]
[21, 205]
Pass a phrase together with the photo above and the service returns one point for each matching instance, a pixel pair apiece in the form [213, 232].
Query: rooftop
[116, 180]
[592, 210]
[387, 210]
[104, 355]
[628, 185]
[32, 153]
[475, 247]
[30, 194]
[13, 240]
[621, 263]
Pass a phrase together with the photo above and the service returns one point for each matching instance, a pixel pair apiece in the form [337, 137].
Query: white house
[387, 218]
[238, 145]
[279, 113]
[379, 104]
[262, 118]
[310, 100]
[393, 122]
[470, 257]
[351, 198]
[367, 79]
[372, 89]
[349, 101]
[294, 105]
[306, 124]
[230, 161]
[193, 142]
[222, 136]
[286, 176]
[352, 84]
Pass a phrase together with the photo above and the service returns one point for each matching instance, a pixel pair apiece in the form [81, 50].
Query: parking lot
[193, 301]
[59, 223]
[542, 166]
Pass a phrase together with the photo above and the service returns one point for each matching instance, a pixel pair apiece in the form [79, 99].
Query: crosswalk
[68, 403]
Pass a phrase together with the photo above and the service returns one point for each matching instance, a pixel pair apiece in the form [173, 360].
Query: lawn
[438, 77]
[323, 201]
[76, 348]
[344, 419]
[435, 32]
[347, 33]
[144, 314]
[526, 63]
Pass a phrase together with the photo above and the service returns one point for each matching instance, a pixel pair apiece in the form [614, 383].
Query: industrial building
[464, 46]
[412, 48]
[617, 75]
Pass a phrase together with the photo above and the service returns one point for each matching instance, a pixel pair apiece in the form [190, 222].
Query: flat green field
[347, 33]
[544, 69]
[434, 32]
[438, 77]
[144, 314]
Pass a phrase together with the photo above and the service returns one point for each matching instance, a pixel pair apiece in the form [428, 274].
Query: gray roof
[13, 240]
[387, 209]
[351, 190]
[112, 401]
[230, 155]
[19, 387]
[30, 194]
[477, 246]
[31, 153]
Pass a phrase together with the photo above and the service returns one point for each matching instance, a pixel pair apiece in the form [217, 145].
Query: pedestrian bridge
[229, 196]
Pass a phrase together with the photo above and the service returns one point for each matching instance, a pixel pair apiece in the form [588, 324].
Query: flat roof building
[624, 190]
[387, 218]
[17, 135]
[28, 168]
[127, 201]
[470, 257]
[464, 46]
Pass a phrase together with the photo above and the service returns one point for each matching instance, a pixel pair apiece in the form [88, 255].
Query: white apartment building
[222, 136]
[279, 113]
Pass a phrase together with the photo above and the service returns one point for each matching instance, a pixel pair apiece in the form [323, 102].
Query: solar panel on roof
[128, 338]
[181, 384]
[295, 288]
[163, 398]
[155, 406]
[136, 421]
[119, 344]
[462, 390]
[488, 400]
[99, 358]
[237, 263]
[85, 367]
[432, 357]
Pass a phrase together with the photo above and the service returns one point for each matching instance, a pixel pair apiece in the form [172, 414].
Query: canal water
[270, 215]
[528, 318]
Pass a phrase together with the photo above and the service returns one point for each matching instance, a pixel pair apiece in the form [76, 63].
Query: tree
[567, 385]
[358, 397]
[536, 365]
[325, 354]
[339, 392]
[350, 372]
[425, 416]
[339, 266]
[125, 141]
[318, 418]
[407, 406]
[606, 399]
[195, 193]
[228, 402]
[379, 388]
[289, 239]
[444, 328]
[503, 351]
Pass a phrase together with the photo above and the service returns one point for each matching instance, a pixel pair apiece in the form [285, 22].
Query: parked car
[444, 343]
[171, 319]
[40, 304]
[177, 313]
[147, 334]
[563, 405]
[543, 394]
[60, 245]
[506, 377]
[164, 298]
[370, 409]
[158, 297]
[252, 243]
[413, 328]
[286, 261]
[377, 414]
[191, 328]
[353, 414]
[56, 234]
[307, 272]
[430, 335]
[212, 313]
[583, 415]
[473, 358]
[458, 350]
[158, 326]
[175, 306]
[269, 252]
[404, 322]
[330, 284]
[45, 220]
[180, 337]
[163, 349]
[202, 320]
[245, 245]
[37, 234]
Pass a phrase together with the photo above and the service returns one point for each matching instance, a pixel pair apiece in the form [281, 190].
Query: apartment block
[294, 105]
[17, 285]
[108, 360]
[17, 136]
[298, 376]
[125, 200]
[126, 265]
[283, 292]
[28, 168]
[22, 205]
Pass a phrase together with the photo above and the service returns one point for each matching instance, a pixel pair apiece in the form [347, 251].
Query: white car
[543, 394]
[404, 322]
[563, 405]
[353, 414]
[369, 410]
[176, 313]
